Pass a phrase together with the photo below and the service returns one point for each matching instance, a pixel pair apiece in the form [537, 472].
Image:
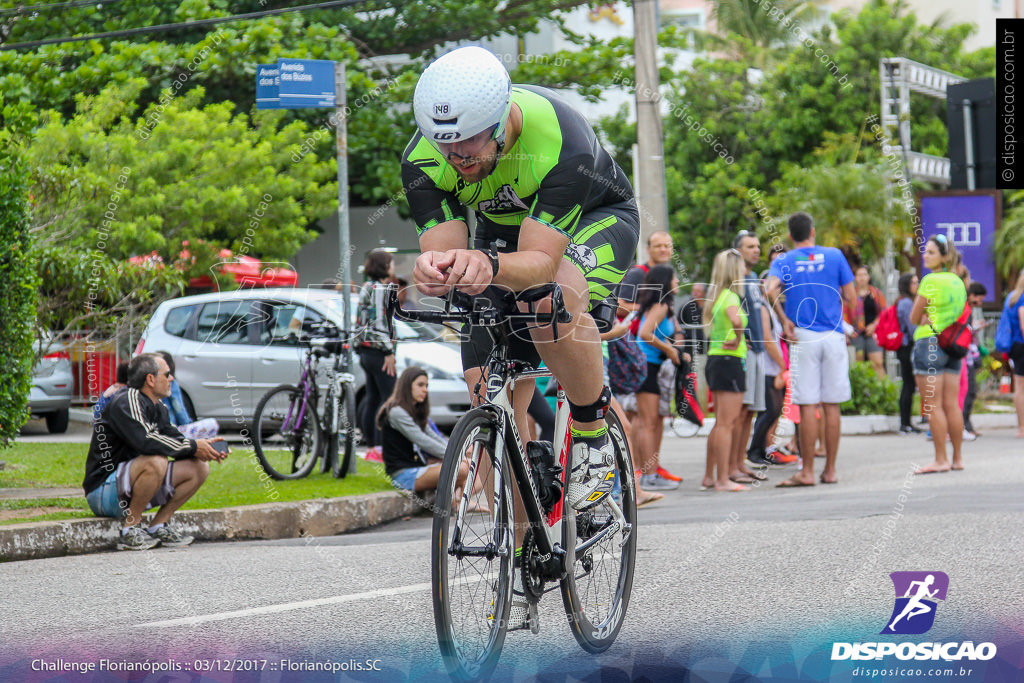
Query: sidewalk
[321, 517]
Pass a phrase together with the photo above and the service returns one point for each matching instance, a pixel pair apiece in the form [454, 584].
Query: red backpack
[634, 327]
[887, 332]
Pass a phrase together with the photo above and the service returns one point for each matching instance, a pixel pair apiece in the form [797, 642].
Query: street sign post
[316, 83]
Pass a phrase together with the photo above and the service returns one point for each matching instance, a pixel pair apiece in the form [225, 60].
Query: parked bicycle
[292, 428]
[590, 553]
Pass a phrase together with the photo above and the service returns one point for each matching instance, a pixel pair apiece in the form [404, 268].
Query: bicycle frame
[306, 385]
[547, 527]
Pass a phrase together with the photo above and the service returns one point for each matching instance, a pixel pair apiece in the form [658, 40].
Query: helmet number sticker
[442, 109]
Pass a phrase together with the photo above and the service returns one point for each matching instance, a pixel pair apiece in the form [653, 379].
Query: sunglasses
[470, 147]
[740, 235]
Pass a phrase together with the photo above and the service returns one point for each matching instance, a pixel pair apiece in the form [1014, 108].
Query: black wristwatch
[493, 253]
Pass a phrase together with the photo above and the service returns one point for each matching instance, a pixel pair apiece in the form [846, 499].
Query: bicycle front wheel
[472, 550]
[286, 436]
[343, 442]
[599, 580]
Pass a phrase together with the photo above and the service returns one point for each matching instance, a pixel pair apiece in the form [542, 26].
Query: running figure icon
[915, 606]
[917, 594]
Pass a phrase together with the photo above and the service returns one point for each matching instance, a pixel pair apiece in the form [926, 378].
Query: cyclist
[551, 206]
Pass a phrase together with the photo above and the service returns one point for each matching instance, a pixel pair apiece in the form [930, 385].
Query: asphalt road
[757, 584]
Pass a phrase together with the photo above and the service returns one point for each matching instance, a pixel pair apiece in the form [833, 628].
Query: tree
[777, 121]
[108, 186]
[853, 199]
[18, 286]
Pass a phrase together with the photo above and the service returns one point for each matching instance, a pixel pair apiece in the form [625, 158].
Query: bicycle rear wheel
[599, 580]
[343, 442]
[472, 552]
[285, 445]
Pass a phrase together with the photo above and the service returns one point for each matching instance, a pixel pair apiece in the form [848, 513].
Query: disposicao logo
[916, 599]
[917, 596]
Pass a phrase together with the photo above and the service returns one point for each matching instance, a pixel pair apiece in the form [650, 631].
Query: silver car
[52, 387]
[229, 348]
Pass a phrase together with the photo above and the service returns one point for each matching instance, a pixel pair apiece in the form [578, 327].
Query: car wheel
[57, 423]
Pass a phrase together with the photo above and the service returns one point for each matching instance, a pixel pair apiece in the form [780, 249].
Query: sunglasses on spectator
[740, 235]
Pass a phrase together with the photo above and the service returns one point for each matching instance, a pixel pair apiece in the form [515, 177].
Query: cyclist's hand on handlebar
[468, 269]
[428, 273]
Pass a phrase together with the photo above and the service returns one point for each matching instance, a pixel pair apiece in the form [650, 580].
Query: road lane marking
[288, 606]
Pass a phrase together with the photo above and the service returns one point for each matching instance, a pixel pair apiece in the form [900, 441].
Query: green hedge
[872, 395]
[19, 287]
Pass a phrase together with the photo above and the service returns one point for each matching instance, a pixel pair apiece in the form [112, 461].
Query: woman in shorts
[941, 297]
[725, 371]
[411, 447]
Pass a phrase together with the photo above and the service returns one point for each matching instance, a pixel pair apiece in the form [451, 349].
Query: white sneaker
[969, 437]
[592, 476]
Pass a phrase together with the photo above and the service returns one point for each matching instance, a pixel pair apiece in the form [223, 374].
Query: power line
[179, 26]
[28, 9]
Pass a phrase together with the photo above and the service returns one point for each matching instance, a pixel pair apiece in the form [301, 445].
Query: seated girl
[412, 449]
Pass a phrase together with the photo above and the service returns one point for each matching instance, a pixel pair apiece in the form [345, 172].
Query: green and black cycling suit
[556, 173]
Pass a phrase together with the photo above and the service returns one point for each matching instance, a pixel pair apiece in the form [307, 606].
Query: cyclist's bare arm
[537, 261]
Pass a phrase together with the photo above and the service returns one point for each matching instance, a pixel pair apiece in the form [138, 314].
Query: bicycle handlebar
[490, 309]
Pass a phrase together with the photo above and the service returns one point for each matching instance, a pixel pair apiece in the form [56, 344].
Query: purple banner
[969, 222]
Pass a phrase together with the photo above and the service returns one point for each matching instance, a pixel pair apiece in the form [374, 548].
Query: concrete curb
[321, 517]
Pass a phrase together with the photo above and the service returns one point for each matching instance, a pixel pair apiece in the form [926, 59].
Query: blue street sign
[306, 83]
[267, 81]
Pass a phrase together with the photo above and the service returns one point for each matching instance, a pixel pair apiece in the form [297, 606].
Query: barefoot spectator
[816, 281]
[727, 379]
[756, 310]
[940, 301]
[863, 318]
[908, 290]
[137, 459]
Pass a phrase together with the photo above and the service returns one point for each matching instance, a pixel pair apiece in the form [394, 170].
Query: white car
[229, 348]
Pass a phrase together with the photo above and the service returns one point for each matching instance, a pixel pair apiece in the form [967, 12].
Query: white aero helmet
[461, 94]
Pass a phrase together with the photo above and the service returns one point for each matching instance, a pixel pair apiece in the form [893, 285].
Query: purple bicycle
[291, 432]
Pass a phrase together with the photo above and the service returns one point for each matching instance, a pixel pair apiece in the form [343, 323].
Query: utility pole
[651, 195]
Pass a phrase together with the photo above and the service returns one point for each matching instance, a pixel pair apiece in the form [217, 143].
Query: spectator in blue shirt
[816, 281]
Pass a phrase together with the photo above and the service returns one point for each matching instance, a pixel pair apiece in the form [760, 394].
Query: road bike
[292, 429]
[590, 553]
